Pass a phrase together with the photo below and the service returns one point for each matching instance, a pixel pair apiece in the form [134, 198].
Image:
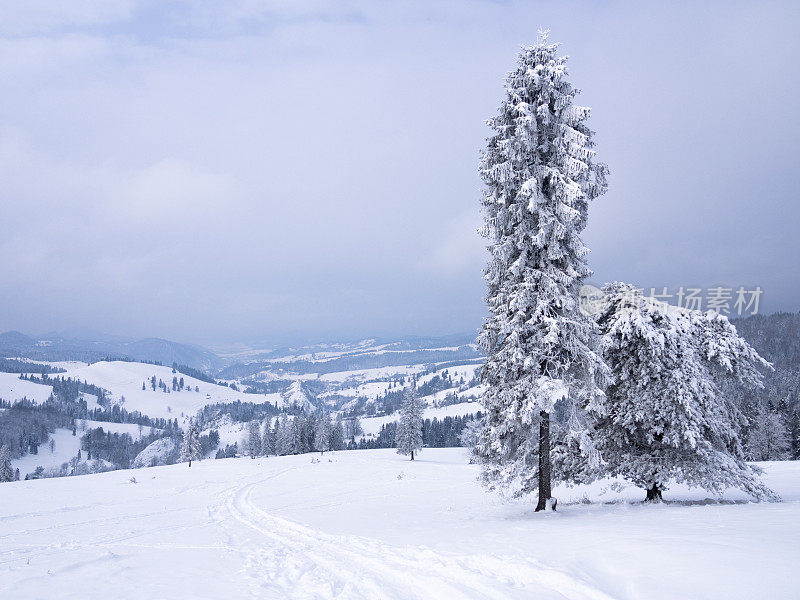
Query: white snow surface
[241, 528]
[372, 425]
[295, 396]
[66, 447]
[12, 388]
[373, 374]
[132, 429]
[157, 451]
[122, 378]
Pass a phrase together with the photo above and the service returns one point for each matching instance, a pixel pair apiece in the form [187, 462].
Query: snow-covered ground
[373, 374]
[125, 379]
[371, 524]
[372, 425]
[12, 388]
[372, 383]
[132, 429]
[67, 445]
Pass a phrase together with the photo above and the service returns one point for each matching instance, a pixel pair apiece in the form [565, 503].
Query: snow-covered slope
[372, 425]
[66, 445]
[132, 429]
[296, 396]
[242, 528]
[156, 453]
[12, 388]
[124, 379]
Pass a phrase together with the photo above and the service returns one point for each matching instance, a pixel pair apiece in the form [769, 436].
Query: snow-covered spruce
[254, 439]
[337, 434]
[322, 434]
[6, 470]
[665, 419]
[540, 175]
[190, 447]
[768, 437]
[284, 436]
[408, 438]
[270, 438]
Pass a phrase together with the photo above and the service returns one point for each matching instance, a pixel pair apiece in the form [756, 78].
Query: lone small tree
[6, 470]
[409, 430]
[190, 447]
[540, 174]
[665, 418]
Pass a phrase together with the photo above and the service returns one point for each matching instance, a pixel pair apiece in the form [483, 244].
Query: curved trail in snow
[299, 562]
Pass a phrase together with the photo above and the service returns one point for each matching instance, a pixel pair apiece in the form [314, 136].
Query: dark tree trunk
[653, 494]
[544, 461]
[412, 455]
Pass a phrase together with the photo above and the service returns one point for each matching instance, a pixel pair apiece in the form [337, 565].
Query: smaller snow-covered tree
[469, 438]
[768, 438]
[664, 417]
[6, 470]
[254, 438]
[408, 438]
[190, 447]
[322, 434]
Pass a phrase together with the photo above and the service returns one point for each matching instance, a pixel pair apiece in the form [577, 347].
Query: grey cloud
[167, 169]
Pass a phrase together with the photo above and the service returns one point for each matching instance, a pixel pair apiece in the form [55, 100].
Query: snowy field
[372, 425]
[122, 378]
[300, 527]
[12, 389]
[66, 445]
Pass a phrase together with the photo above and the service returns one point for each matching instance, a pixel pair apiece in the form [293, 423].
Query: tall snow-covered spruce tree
[665, 419]
[408, 438]
[540, 174]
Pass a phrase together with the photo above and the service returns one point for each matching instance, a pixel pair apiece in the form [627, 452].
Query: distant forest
[773, 414]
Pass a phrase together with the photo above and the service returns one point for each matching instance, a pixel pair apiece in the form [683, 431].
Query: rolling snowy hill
[66, 445]
[312, 527]
[125, 379]
[448, 391]
[12, 389]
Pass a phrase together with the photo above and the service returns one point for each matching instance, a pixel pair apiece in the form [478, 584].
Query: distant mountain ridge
[53, 347]
[363, 354]
[88, 346]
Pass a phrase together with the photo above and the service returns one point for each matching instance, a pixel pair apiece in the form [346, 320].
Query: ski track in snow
[304, 563]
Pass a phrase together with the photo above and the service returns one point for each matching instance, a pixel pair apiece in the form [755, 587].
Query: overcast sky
[242, 170]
